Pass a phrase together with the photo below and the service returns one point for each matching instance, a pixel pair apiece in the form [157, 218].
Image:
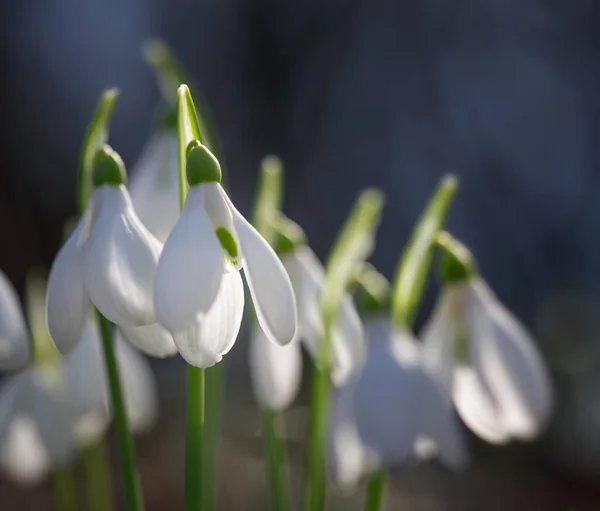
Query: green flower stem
[193, 438]
[65, 489]
[188, 129]
[212, 422]
[409, 286]
[99, 493]
[352, 247]
[375, 493]
[280, 489]
[133, 495]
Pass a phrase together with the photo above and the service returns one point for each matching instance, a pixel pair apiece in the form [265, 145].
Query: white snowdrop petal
[152, 340]
[275, 371]
[139, 387]
[53, 413]
[476, 407]
[439, 422]
[217, 209]
[438, 342]
[14, 339]
[23, 457]
[189, 272]
[268, 282]
[508, 361]
[67, 299]
[348, 343]
[120, 258]
[154, 186]
[348, 459]
[212, 335]
[384, 403]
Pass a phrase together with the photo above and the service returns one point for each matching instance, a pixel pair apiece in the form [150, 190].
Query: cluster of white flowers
[51, 409]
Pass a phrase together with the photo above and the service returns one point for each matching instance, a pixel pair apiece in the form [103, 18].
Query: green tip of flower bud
[372, 294]
[457, 263]
[288, 236]
[108, 168]
[202, 166]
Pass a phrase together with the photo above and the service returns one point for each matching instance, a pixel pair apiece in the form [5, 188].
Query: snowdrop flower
[109, 260]
[15, 350]
[198, 291]
[395, 409]
[308, 276]
[155, 184]
[500, 385]
[275, 371]
[39, 429]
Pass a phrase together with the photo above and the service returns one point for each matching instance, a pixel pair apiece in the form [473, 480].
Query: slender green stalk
[212, 422]
[375, 496]
[319, 409]
[409, 286]
[280, 489]
[193, 439]
[99, 493]
[65, 490]
[133, 495]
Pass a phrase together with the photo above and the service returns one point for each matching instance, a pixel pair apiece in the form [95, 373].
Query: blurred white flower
[275, 371]
[308, 275]
[154, 186]
[15, 350]
[198, 292]
[394, 410]
[109, 259]
[500, 385]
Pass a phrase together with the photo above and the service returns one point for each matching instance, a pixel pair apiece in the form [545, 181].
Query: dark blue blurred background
[351, 94]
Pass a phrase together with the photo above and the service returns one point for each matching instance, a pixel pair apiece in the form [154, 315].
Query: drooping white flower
[394, 410]
[155, 185]
[500, 385]
[275, 371]
[109, 260]
[198, 295]
[15, 350]
[308, 276]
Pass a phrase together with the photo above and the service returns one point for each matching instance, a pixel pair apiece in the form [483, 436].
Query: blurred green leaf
[269, 197]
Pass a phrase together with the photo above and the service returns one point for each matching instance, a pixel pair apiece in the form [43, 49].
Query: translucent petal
[14, 339]
[217, 209]
[120, 258]
[154, 186]
[153, 339]
[23, 456]
[212, 335]
[307, 277]
[268, 282]
[385, 401]
[189, 272]
[508, 362]
[477, 408]
[437, 341]
[139, 387]
[67, 299]
[275, 371]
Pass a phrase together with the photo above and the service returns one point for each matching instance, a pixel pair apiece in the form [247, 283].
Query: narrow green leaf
[96, 136]
[353, 245]
[43, 348]
[416, 259]
[269, 197]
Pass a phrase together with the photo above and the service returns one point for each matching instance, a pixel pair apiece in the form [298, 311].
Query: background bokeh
[349, 94]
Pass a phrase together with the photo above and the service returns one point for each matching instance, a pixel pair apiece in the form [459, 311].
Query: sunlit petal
[275, 371]
[212, 335]
[153, 339]
[120, 259]
[189, 272]
[67, 299]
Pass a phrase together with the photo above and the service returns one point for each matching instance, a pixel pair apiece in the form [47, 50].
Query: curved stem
[133, 495]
